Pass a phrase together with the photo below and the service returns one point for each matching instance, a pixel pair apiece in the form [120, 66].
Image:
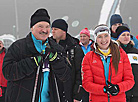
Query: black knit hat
[61, 24]
[115, 19]
[39, 15]
[121, 29]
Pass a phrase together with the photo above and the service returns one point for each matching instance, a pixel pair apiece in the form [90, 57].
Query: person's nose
[53, 30]
[103, 39]
[44, 29]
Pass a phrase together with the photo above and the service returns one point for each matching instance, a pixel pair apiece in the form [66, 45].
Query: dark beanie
[115, 19]
[61, 24]
[38, 16]
[121, 29]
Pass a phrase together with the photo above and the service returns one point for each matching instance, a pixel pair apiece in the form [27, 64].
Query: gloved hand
[51, 54]
[38, 60]
[111, 89]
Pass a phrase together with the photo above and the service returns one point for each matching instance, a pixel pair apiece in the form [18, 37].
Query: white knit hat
[100, 30]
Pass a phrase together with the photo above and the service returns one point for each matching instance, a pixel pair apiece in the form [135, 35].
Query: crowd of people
[62, 68]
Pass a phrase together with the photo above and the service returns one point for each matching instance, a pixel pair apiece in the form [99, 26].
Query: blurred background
[15, 14]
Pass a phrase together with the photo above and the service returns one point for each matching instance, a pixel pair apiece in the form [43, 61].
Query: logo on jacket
[46, 66]
[135, 58]
[120, 61]
[94, 61]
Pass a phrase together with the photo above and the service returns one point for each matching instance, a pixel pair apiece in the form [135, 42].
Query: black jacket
[75, 56]
[132, 52]
[20, 71]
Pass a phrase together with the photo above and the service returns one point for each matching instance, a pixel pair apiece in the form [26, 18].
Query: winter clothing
[44, 93]
[94, 76]
[88, 47]
[106, 63]
[112, 89]
[61, 24]
[75, 56]
[3, 81]
[133, 58]
[114, 37]
[2, 99]
[20, 70]
[38, 16]
[121, 29]
[100, 30]
[115, 18]
[135, 41]
[137, 37]
[85, 97]
[85, 31]
[105, 52]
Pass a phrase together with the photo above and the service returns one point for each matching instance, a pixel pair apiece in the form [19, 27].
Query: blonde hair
[131, 42]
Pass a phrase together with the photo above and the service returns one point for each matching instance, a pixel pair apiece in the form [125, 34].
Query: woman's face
[124, 38]
[103, 41]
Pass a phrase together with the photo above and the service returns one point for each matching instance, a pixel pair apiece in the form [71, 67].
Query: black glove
[38, 60]
[111, 89]
[51, 54]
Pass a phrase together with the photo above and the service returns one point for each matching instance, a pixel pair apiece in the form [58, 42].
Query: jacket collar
[90, 42]
[52, 44]
[128, 47]
[3, 50]
[68, 43]
[113, 34]
[98, 52]
[30, 44]
[38, 44]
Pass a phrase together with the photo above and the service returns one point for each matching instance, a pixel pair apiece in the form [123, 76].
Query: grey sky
[87, 12]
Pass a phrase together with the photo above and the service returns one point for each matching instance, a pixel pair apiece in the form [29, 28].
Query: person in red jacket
[107, 72]
[3, 81]
[137, 37]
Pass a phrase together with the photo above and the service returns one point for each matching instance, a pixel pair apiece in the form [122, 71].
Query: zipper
[108, 98]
